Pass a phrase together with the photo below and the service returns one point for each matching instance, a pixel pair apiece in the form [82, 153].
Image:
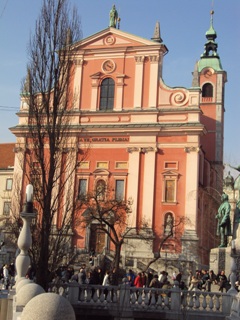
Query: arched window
[107, 94]
[207, 90]
[100, 189]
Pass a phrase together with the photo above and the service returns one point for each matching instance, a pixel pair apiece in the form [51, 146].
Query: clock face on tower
[108, 66]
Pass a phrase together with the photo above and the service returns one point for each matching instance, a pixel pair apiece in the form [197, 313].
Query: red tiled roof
[7, 155]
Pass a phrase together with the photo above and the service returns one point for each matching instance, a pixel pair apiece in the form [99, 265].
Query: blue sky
[183, 25]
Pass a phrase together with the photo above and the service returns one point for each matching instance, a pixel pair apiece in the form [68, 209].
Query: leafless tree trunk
[111, 216]
[171, 236]
[50, 147]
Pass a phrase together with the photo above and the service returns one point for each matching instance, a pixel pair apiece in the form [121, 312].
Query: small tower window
[107, 94]
[207, 90]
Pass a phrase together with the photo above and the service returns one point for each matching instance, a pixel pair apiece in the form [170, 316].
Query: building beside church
[6, 183]
[158, 146]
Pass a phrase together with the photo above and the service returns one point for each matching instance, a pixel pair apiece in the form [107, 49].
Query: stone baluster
[25, 238]
[175, 297]
[233, 276]
[227, 302]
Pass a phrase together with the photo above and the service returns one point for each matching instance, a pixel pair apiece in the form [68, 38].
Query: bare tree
[110, 215]
[51, 147]
[171, 236]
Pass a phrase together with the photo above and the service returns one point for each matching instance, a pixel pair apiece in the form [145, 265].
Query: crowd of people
[200, 280]
[204, 279]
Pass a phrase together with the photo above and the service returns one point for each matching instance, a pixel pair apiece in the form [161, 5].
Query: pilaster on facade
[94, 93]
[133, 149]
[77, 82]
[149, 149]
[153, 81]
[191, 149]
[219, 133]
[149, 186]
[142, 149]
[189, 242]
[24, 106]
[133, 181]
[219, 88]
[119, 97]
[191, 196]
[138, 86]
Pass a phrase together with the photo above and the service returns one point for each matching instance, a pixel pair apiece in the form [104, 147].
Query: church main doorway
[97, 239]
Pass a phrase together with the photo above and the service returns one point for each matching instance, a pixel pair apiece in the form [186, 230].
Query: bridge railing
[132, 298]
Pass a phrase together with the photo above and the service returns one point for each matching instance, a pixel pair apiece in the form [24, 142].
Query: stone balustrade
[132, 299]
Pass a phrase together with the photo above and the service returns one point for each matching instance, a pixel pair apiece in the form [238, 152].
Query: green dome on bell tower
[210, 57]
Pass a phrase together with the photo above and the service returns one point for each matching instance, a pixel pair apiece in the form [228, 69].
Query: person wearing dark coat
[179, 277]
[114, 278]
[222, 280]
[149, 278]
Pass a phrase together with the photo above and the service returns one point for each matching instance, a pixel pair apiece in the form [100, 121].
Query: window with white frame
[170, 190]
[119, 189]
[100, 189]
[9, 183]
[170, 187]
[82, 188]
[107, 94]
[6, 208]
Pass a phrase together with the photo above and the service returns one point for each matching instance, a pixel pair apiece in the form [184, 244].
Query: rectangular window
[82, 190]
[170, 165]
[9, 184]
[121, 165]
[102, 164]
[6, 208]
[84, 165]
[170, 190]
[119, 190]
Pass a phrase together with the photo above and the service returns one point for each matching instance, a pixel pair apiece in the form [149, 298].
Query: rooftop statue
[229, 181]
[113, 17]
[237, 180]
[224, 222]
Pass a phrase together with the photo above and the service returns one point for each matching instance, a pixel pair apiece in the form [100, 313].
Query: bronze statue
[113, 17]
[237, 212]
[224, 222]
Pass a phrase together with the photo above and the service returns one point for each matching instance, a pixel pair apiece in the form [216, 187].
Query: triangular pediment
[170, 173]
[96, 75]
[112, 37]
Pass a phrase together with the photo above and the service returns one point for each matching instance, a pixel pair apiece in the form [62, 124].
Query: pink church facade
[160, 147]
